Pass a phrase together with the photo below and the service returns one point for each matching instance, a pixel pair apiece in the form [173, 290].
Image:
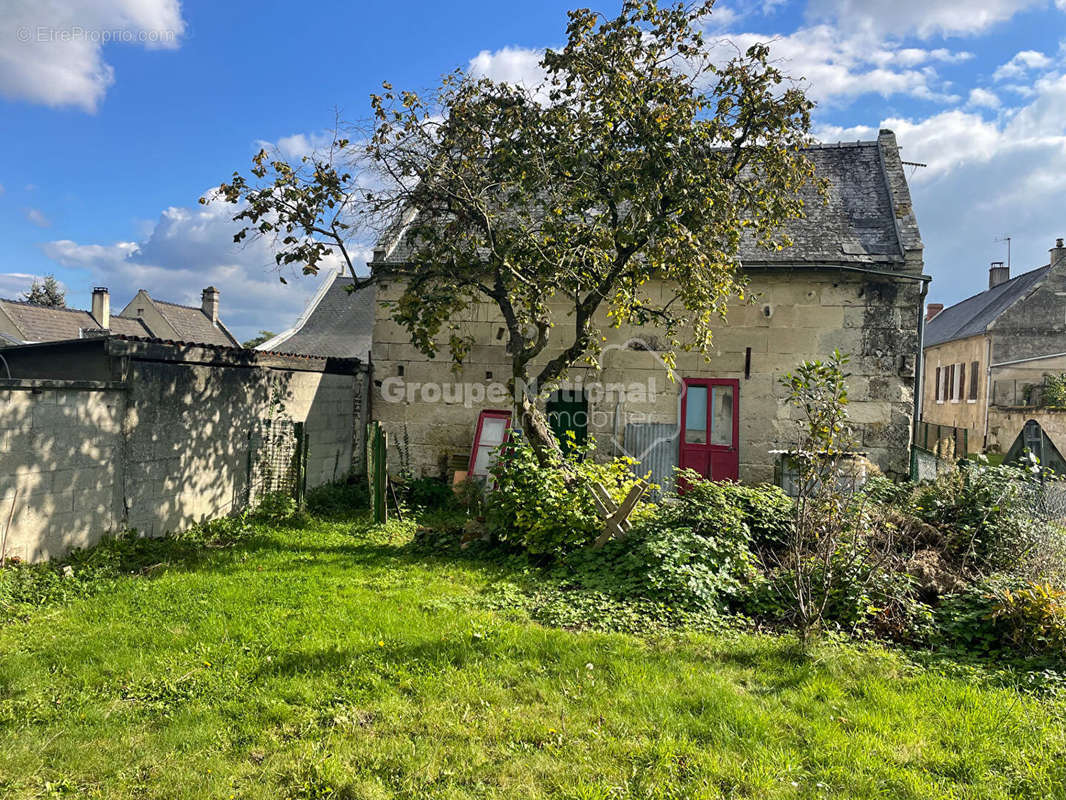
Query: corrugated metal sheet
[654, 445]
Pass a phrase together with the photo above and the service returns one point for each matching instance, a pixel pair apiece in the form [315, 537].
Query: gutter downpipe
[919, 371]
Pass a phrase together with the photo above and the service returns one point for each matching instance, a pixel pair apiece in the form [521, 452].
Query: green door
[568, 410]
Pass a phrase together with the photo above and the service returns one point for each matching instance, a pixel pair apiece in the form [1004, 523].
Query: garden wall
[181, 436]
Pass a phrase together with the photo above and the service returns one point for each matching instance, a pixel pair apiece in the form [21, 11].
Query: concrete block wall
[798, 315]
[163, 450]
[59, 465]
[189, 431]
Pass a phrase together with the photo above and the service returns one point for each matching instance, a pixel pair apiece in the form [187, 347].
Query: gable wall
[158, 327]
[799, 315]
[1035, 325]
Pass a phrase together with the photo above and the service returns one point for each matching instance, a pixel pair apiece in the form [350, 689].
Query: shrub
[693, 553]
[275, 507]
[427, 493]
[985, 514]
[550, 510]
[1034, 618]
[338, 499]
[767, 510]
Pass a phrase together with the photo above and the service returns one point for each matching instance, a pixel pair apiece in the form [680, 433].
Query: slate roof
[193, 325]
[45, 324]
[972, 316]
[336, 323]
[865, 220]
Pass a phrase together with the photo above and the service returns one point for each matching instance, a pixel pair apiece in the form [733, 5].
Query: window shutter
[951, 382]
[939, 395]
[973, 380]
[962, 380]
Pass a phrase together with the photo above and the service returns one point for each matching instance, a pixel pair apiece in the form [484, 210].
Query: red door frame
[718, 462]
[487, 414]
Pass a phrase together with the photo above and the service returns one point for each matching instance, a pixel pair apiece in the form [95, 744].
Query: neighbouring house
[852, 281]
[337, 322]
[987, 358]
[26, 323]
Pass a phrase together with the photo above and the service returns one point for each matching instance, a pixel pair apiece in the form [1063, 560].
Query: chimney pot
[997, 274]
[101, 308]
[209, 304]
[932, 309]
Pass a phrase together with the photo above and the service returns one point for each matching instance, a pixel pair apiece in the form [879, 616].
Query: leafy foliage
[644, 156]
[338, 499]
[427, 493]
[1054, 391]
[549, 509]
[692, 553]
[47, 292]
[985, 512]
[255, 341]
[276, 507]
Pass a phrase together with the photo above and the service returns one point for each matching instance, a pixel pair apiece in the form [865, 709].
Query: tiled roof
[865, 219]
[45, 324]
[336, 323]
[193, 325]
[972, 316]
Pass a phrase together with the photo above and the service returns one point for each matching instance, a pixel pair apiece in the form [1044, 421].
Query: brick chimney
[932, 309]
[210, 303]
[1058, 254]
[101, 310]
[997, 274]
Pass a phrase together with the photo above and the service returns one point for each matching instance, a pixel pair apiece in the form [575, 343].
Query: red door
[710, 427]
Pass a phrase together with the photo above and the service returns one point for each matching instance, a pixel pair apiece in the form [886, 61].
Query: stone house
[985, 356]
[26, 323]
[852, 281]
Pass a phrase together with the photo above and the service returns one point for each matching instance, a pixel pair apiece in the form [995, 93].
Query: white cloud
[52, 52]
[838, 66]
[982, 98]
[37, 217]
[190, 248]
[985, 179]
[517, 65]
[1021, 64]
[14, 284]
[885, 18]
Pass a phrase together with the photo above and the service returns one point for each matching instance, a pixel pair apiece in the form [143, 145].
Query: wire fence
[276, 455]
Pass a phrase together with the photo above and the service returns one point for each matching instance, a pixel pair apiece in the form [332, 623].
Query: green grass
[327, 662]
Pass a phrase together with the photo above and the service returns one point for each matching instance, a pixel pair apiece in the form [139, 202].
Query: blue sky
[108, 144]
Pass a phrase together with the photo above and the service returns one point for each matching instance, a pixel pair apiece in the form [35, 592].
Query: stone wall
[1004, 425]
[800, 314]
[60, 464]
[164, 449]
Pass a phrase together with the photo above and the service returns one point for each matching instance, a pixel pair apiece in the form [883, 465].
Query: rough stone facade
[798, 316]
[1015, 334]
[851, 281]
[164, 444]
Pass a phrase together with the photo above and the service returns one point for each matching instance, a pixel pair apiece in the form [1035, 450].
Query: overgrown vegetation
[545, 505]
[337, 660]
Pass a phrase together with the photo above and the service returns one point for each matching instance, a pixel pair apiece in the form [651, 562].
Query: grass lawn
[327, 662]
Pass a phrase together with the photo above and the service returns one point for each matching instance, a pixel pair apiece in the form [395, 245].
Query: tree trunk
[537, 431]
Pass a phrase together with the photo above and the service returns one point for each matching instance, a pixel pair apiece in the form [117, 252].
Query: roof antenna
[1006, 238]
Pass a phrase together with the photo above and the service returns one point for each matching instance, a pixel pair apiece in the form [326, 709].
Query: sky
[116, 116]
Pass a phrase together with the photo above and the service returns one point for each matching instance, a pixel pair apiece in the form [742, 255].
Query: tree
[255, 341]
[639, 158]
[47, 292]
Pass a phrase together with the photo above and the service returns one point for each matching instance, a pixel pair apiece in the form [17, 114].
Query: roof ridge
[992, 288]
[46, 308]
